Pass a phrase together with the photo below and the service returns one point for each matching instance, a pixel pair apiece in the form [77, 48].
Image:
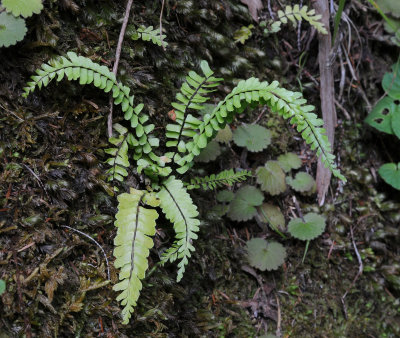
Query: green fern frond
[135, 225]
[149, 34]
[193, 95]
[178, 207]
[294, 15]
[86, 71]
[119, 160]
[224, 178]
[291, 105]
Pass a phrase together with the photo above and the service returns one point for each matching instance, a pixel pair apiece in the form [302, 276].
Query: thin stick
[93, 240]
[161, 15]
[116, 63]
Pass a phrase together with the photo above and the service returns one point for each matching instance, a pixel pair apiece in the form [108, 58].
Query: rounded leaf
[254, 137]
[209, 153]
[225, 196]
[12, 29]
[380, 115]
[391, 82]
[271, 178]
[395, 121]
[313, 226]
[272, 214]
[224, 135]
[289, 161]
[302, 182]
[26, 8]
[243, 206]
[390, 172]
[265, 255]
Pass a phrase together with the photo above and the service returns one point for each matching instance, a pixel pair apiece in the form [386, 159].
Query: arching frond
[88, 72]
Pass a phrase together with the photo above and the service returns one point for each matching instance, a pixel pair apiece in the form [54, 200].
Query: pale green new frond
[135, 224]
[294, 15]
[178, 207]
[80, 68]
[291, 105]
[192, 96]
[149, 34]
[223, 179]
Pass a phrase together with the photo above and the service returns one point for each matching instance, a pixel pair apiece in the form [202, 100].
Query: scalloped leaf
[243, 206]
[26, 8]
[12, 29]
[302, 182]
[254, 137]
[380, 116]
[224, 135]
[313, 227]
[289, 161]
[209, 153]
[390, 172]
[225, 196]
[265, 255]
[271, 178]
[272, 215]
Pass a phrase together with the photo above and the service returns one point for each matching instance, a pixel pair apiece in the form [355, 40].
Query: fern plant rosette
[188, 135]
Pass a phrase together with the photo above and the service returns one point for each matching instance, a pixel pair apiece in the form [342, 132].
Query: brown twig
[117, 57]
[161, 15]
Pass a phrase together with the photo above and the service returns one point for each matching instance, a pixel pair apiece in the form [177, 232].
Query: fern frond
[224, 178]
[119, 160]
[294, 15]
[192, 96]
[149, 34]
[178, 207]
[135, 224]
[86, 71]
[291, 105]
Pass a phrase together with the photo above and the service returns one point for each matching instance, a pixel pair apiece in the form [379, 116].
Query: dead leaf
[254, 6]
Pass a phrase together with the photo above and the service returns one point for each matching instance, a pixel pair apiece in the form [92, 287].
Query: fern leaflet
[178, 207]
[224, 178]
[132, 244]
[149, 34]
[294, 15]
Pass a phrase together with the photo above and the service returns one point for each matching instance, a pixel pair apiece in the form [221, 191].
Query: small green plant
[187, 136]
[294, 15]
[243, 34]
[265, 255]
[385, 117]
[12, 26]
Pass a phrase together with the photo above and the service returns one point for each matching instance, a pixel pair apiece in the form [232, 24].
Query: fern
[291, 105]
[178, 207]
[294, 15]
[191, 96]
[132, 244]
[119, 160]
[86, 71]
[149, 34]
[224, 178]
